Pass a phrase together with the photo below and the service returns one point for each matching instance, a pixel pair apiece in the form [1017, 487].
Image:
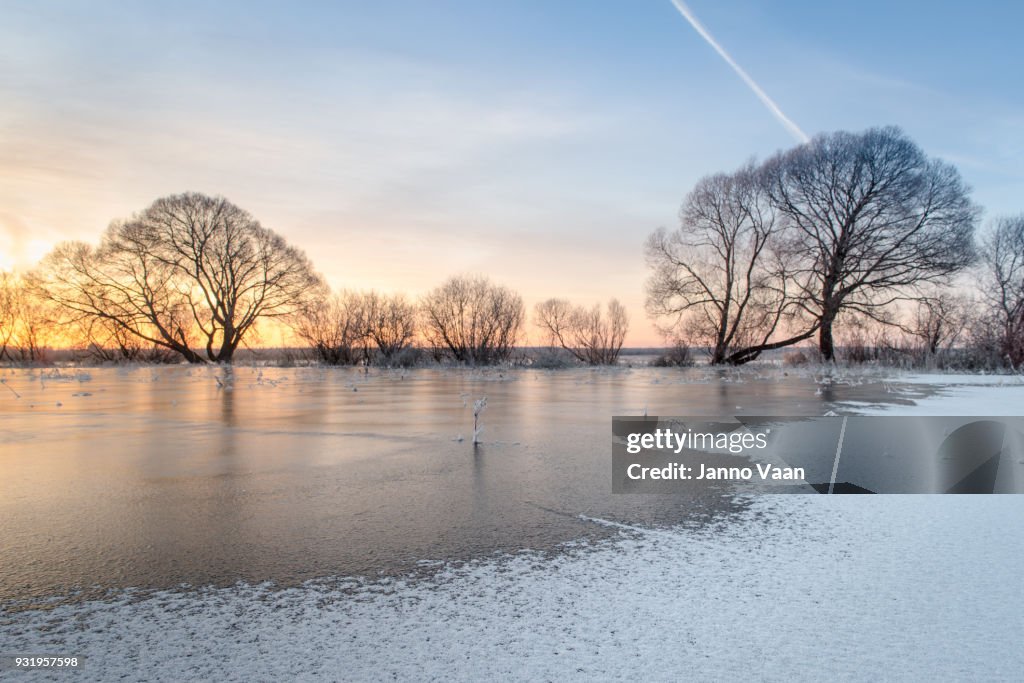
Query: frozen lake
[157, 477]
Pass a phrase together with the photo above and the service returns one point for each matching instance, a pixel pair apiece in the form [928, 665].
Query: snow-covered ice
[958, 398]
[859, 588]
[946, 379]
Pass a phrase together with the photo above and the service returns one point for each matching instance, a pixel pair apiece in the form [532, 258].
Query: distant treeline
[190, 277]
[859, 242]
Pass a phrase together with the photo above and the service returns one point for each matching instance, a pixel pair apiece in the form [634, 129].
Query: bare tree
[342, 328]
[872, 219]
[26, 321]
[720, 280]
[7, 313]
[554, 318]
[189, 270]
[938, 321]
[1002, 259]
[472, 319]
[336, 328]
[588, 335]
[390, 323]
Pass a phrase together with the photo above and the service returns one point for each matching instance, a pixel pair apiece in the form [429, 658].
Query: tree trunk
[718, 356]
[750, 353]
[825, 343]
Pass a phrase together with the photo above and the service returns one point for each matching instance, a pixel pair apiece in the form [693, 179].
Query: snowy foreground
[969, 395]
[865, 588]
[799, 587]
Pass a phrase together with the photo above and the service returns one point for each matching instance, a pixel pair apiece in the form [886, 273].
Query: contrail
[793, 129]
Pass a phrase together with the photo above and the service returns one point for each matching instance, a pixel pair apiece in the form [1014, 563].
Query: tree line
[851, 234]
[190, 277]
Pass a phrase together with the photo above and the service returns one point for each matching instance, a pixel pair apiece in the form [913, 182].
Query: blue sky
[537, 142]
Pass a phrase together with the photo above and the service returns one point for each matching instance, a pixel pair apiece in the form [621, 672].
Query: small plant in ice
[478, 408]
[9, 387]
[225, 381]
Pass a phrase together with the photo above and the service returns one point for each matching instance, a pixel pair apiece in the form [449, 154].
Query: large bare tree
[872, 220]
[472, 319]
[189, 271]
[1002, 259]
[588, 335]
[719, 280]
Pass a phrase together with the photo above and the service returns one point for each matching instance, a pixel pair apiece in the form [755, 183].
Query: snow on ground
[945, 379]
[800, 587]
[856, 587]
[956, 398]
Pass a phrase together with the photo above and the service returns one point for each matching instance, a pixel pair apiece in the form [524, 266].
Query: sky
[534, 142]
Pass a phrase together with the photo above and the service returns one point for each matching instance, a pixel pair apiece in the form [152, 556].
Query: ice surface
[797, 587]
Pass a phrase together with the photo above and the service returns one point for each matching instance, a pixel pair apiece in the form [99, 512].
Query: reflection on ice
[156, 476]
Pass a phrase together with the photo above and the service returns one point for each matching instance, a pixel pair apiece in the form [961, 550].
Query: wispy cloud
[787, 122]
